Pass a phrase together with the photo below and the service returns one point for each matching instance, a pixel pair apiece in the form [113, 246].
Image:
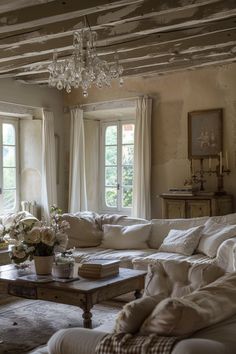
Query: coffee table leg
[137, 294]
[87, 314]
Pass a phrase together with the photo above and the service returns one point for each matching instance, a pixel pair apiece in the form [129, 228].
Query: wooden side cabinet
[182, 206]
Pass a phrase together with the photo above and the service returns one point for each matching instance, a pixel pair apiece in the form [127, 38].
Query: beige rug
[27, 324]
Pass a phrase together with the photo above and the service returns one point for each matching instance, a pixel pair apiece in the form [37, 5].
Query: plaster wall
[174, 96]
[30, 134]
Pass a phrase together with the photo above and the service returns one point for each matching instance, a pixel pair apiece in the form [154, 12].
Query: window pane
[127, 197]
[127, 133]
[111, 197]
[127, 175]
[9, 178]
[9, 200]
[111, 176]
[9, 156]
[111, 135]
[8, 134]
[127, 154]
[111, 155]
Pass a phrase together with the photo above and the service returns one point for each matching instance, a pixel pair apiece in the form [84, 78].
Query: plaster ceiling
[152, 37]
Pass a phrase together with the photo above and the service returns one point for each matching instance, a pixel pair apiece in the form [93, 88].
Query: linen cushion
[202, 308]
[83, 231]
[213, 235]
[179, 278]
[133, 314]
[161, 227]
[182, 241]
[126, 237]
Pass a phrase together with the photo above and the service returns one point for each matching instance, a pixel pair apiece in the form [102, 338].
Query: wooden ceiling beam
[110, 22]
[48, 13]
[13, 5]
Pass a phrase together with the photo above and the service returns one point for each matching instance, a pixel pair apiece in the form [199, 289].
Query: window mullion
[1, 169]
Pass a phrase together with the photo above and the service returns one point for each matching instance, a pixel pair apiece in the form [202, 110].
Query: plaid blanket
[125, 343]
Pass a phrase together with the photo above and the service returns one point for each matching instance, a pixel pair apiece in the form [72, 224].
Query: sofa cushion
[161, 228]
[124, 256]
[83, 231]
[179, 278]
[126, 237]
[206, 306]
[182, 241]
[127, 320]
[213, 235]
[143, 262]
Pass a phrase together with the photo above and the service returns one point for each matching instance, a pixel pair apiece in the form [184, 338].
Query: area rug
[27, 324]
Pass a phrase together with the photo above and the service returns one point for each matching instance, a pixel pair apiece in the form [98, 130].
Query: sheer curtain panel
[49, 185]
[142, 159]
[77, 178]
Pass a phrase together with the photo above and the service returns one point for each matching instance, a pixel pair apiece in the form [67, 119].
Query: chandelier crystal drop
[83, 68]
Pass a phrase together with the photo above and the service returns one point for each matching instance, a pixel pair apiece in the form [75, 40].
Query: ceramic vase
[43, 264]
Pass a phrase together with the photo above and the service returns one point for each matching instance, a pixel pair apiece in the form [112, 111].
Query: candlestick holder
[220, 172]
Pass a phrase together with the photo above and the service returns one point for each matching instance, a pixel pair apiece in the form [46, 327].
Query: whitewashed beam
[147, 10]
[13, 5]
[80, 9]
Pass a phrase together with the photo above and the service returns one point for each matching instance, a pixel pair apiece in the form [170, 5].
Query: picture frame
[205, 133]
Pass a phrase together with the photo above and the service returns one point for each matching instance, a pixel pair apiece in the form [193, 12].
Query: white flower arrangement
[30, 237]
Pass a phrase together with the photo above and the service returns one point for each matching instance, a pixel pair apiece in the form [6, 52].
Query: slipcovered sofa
[138, 242]
[195, 303]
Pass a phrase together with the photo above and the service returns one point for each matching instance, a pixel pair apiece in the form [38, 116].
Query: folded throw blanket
[126, 343]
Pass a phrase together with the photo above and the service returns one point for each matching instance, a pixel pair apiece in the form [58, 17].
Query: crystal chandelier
[83, 68]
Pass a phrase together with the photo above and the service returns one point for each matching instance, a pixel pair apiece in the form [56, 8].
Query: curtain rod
[66, 108]
[22, 105]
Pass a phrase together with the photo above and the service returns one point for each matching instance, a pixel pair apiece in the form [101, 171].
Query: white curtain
[77, 178]
[142, 159]
[49, 185]
[91, 131]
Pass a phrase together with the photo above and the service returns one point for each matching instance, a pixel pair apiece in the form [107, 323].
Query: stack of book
[99, 268]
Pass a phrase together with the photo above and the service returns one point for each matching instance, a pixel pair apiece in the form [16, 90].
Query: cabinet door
[198, 208]
[174, 209]
[222, 206]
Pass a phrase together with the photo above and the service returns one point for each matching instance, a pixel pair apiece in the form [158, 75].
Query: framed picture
[205, 133]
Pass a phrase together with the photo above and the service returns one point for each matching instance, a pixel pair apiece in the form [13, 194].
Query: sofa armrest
[75, 341]
[226, 255]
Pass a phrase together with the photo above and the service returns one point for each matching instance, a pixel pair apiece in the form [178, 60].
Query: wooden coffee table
[83, 293]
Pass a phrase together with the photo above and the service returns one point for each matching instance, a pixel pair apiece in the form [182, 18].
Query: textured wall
[173, 97]
[29, 95]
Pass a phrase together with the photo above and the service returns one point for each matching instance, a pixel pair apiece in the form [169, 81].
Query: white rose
[29, 220]
[33, 236]
[19, 253]
[48, 236]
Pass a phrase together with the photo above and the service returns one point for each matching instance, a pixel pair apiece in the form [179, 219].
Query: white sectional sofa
[87, 238]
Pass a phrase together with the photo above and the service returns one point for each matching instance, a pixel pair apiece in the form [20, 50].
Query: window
[117, 166]
[8, 166]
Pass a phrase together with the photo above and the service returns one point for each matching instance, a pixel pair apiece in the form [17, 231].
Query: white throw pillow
[213, 235]
[127, 320]
[182, 241]
[83, 231]
[161, 227]
[202, 308]
[126, 237]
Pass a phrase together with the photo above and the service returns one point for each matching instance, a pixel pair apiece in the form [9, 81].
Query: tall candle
[227, 160]
[209, 163]
[221, 167]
